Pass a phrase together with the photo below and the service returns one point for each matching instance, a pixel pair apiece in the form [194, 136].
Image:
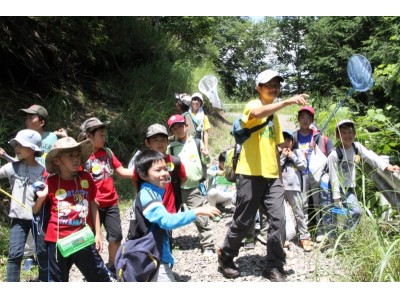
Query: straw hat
[67, 144]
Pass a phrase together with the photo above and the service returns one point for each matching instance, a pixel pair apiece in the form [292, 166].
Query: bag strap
[257, 127]
[110, 156]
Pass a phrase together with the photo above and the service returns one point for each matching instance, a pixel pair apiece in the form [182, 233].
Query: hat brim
[157, 133]
[23, 143]
[180, 122]
[85, 147]
[24, 111]
[94, 127]
[343, 122]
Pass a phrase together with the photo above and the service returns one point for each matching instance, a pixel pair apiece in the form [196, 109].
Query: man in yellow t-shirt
[259, 183]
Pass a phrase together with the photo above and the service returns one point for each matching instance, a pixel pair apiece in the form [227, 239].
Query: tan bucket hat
[67, 144]
[92, 124]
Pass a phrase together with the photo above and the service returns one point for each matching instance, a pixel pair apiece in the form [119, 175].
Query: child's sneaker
[29, 263]
[209, 252]
[248, 243]
[216, 219]
[222, 209]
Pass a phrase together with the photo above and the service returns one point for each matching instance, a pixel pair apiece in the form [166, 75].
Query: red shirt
[69, 204]
[169, 195]
[102, 169]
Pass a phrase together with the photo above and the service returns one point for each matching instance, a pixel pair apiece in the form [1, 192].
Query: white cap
[267, 75]
[197, 95]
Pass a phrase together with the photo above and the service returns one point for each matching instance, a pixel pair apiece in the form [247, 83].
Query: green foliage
[370, 253]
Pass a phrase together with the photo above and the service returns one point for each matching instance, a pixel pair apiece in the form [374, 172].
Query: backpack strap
[255, 128]
[198, 147]
[109, 155]
[340, 152]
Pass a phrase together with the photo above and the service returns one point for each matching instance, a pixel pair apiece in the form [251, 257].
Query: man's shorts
[111, 219]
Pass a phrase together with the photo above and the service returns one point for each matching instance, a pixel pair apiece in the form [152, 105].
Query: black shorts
[111, 219]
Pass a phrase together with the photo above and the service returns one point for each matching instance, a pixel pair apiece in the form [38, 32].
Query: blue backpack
[138, 259]
[241, 134]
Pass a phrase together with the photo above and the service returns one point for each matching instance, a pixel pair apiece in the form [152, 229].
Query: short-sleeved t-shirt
[48, 140]
[101, 169]
[69, 204]
[258, 155]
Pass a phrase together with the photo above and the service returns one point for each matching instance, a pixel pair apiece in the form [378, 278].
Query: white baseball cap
[267, 75]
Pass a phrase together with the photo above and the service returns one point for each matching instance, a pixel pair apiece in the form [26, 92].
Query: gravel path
[192, 266]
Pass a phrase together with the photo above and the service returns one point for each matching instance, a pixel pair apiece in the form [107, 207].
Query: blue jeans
[18, 234]
[350, 202]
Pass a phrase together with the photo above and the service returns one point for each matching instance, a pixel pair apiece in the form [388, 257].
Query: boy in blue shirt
[153, 177]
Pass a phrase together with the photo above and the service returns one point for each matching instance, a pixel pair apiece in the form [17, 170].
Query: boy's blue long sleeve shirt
[156, 213]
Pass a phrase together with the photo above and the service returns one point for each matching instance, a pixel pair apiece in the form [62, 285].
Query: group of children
[79, 190]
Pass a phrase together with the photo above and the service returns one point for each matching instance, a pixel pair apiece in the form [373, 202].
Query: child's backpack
[231, 160]
[241, 134]
[138, 259]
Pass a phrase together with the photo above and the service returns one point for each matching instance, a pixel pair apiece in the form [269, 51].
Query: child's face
[221, 165]
[23, 152]
[33, 122]
[158, 174]
[347, 135]
[158, 142]
[305, 119]
[196, 103]
[69, 162]
[288, 143]
[99, 138]
[270, 90]
[179, 130]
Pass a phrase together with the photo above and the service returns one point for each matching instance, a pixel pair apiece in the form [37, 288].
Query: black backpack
[138, 259]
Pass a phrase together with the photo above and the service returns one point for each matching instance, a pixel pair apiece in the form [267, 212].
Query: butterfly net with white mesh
[208, 86]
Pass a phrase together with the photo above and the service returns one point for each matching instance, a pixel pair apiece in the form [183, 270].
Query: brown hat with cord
[64, 145]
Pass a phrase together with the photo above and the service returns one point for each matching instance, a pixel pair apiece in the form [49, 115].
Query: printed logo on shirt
[170, 166]
[268, 133]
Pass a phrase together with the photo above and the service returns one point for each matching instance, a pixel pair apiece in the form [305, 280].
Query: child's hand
[298, 99]
[98, 242]
[42, 194]
[209, 211]
[393, 168]
[286, 151]
[60, 133]
[204, 151]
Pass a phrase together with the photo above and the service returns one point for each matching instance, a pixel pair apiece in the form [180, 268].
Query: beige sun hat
[67, 144]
